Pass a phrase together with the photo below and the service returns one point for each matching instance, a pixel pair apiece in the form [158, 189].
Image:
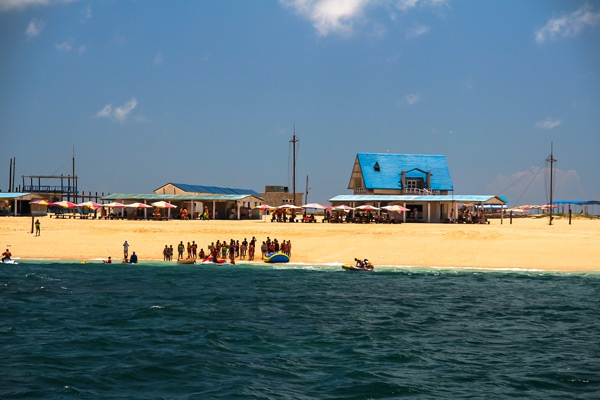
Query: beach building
[280, 195]
[419, 182]
[219, 202]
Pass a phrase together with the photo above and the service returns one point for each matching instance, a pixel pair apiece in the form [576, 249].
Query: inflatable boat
[210, 260]
[186, 261]
[277, 258]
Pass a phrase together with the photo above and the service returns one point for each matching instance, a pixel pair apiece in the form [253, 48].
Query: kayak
[277, 258]
[188, 261]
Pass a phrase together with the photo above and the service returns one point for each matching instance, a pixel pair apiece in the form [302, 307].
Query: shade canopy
[367, 207]
[65, 204]
[92, 205]
[163, 204]
[114, 204]
[138, 205]
[316, 206]
[395, 208]
[42, 203]
[264, 207]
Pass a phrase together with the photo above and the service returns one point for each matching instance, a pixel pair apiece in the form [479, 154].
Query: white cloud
[404, 5]
[568, 25]
[123, 111]
[329, 16]
[412, 98]
[10, 5]
[158, 59]
[35, 27]
[64, 47]
[105, 112]
[417, 31]
[119, 113]
[86, 14]
[341, 16]
[82, 49]
[548, 123]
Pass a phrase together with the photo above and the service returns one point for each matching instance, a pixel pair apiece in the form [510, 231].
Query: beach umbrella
[290, 207]
[42, 203]
[264, 207]
[92, 205]
[163, 204]
[395, 208]
[66, 204]
[367, 207]
[138, 205]
[114, 204]
[316, 206]
[342, 207]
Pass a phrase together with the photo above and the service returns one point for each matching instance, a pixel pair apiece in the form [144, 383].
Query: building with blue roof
[419, 182]
[184, 188]
[414, 174]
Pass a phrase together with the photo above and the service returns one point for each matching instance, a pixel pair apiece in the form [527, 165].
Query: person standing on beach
[37, 227]
[180, 250]
[125, 250]
[166, 253]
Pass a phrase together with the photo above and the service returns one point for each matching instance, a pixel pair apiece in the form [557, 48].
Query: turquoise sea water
[162, 331]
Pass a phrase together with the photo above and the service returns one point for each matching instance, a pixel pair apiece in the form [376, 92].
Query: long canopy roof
[470, 199]
[176, 197]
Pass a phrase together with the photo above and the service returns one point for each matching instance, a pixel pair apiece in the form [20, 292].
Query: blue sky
[150, 92]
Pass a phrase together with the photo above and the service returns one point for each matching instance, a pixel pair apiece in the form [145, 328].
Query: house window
[414, 183]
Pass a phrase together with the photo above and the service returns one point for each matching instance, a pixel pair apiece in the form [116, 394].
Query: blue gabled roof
[214, 189]
[387, 175]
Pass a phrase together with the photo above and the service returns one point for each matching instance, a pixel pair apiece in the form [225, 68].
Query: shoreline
[322, 266]
[526, 244]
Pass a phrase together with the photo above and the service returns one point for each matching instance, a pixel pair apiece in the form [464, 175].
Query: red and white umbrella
[92, 205]
[316, 206]
[264, 207]
[138, 205]
[42, 203]
[342, 207]
[290, 207]
[163, 204]
[65, 204]
[114, 204]
[395, 208]
[367, 207]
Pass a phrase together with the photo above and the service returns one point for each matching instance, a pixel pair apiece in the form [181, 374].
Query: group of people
[126, 259]
[226, 249]
[281, 215]
[465, 216]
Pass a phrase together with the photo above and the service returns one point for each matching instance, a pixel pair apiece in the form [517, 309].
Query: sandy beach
[527, 243]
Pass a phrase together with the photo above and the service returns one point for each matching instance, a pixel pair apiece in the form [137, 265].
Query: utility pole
[294, 141]
[306, 192]
[551, 160]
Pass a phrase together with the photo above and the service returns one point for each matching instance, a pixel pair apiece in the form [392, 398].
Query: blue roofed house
[384, 173]
[419, 182]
